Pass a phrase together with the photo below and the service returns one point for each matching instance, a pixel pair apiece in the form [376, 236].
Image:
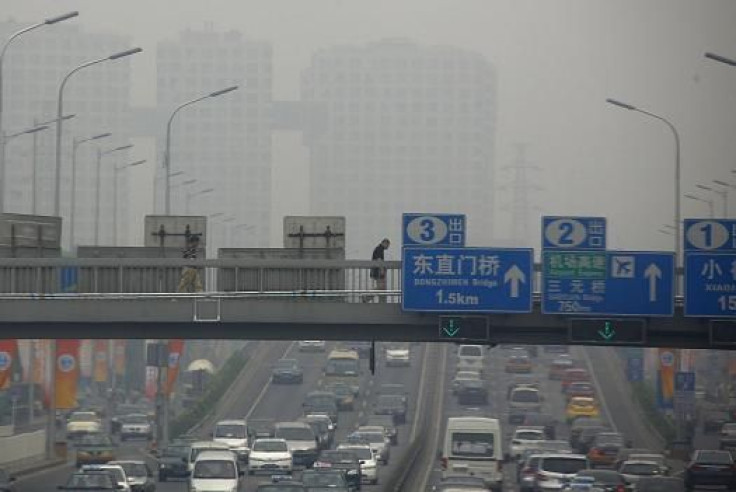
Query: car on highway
[470, 358]
[714, 419]
[326, 424]
[600, 480]
[461, 377]
[581, 406]
[577, 427]
[632, 471]
[727, 438]
[172, 462]
[94, 449]
[545, 420]
[7, 481]
[460, 484]
[473, 392]
[362, 347]
[344, 396]
[343, 366]
[198, 447]
[525, 438]
[522, 401]
[586, 438]
[234, 434]
[604, 448]
[472, 446]
[321, 402]
[556, 349]
[81, 423]
[660, 484]
[368, 462]
[518, 364]
[558, 366]
[312, 345]
[660, 459]
[376, 438]
[580, 388]
[346, 462]
[270, 455]
[325, 480]
[321, 431]
[215, 470]
[553, 471]
[396, 389]
[388, 424]
[398, 355]
[391, 405]
[116, 471]
[258, 428]
[281, 486]
[287, 371]
[135, 426]
[301, 441]
[140, 477]
[570, 376]
[90, 480]
[710, 468]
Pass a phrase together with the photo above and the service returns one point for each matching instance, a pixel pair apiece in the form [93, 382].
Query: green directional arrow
[451, 330]
[608, 332]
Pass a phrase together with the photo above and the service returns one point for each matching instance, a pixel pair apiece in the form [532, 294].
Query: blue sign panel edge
[529, 251]
[685, 311]
[414, 215]
[551, 218]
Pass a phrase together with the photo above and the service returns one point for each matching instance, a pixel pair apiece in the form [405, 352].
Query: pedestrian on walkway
[378, 274]
[190, 280]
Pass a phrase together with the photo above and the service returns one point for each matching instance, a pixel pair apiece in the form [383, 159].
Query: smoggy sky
[556, 63]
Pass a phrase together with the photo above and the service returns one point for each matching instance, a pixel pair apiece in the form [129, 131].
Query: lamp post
[703, 200]
[100, 153]
[76, 142]
[4, 139]
[34, 169]
[676, 136]
[60, 111]
[186, 182]
[724, 193]
[720, 193]
[46, 22]
[117, 170]
[721, 59]
[167, 154]
[191, 195]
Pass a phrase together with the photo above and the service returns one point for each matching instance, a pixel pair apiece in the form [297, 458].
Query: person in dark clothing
[378, 274]
[190, 281]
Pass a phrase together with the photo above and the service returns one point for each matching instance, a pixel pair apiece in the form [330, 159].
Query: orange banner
[176, 350]
[100, 361]
[666, 381]
[120, 346]
[151, 382]
[8, 355]
[67, 373]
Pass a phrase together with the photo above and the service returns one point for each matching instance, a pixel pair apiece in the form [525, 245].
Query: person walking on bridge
[190, 280]
[378, 274]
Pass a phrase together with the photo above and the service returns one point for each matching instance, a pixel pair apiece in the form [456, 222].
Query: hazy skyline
[555, 61]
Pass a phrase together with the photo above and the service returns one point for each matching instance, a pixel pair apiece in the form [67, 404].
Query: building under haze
[99, 97]
[224, 143]
[409, 128]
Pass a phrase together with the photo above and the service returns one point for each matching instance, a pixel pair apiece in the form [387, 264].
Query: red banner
[8, 356]
[120, 346]
[67, 373]
[100, 361]
[176, 350]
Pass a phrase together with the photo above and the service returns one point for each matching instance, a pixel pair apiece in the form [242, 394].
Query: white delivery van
[234, 433]
[215, 471]
[470, 358]
[472, 447]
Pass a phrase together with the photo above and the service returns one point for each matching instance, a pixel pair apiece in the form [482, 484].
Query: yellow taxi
[519, 364]
[94, 449]
[581, 406]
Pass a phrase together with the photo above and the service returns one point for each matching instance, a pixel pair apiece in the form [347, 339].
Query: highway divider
[21, 448]
[663, 425]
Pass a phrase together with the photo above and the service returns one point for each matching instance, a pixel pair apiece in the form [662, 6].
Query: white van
[215, 471]
[470, 358]
[472, 447]
[234, 433]
[199, 447]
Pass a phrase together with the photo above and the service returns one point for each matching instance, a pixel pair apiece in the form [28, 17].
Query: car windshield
[99, 481]
[92, 440]
[230, 431]
[529, 435]
[361, 453]
[135, 419]
[83, 417]
[176, 451]
[270, 446]
[640, 469]
[135, 469]
[295, 433]
[470, 444]
[323, 479]
[563, 465]
[470, 351]
[714, 457]
[342, 367]
[525, 396]
[214, 469]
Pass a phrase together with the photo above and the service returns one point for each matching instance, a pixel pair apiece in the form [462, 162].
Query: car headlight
[162, 466]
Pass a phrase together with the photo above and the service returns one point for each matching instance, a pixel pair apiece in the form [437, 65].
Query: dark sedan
[172, 462]
[287, 371]
[472, 392]
[391, 405]
[710, 467]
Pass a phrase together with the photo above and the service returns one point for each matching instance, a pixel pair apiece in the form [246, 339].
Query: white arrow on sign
[515, 276]
[652, 273]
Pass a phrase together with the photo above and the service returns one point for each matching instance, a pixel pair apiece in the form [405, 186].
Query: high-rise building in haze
[409, 128]
[99, 97]
[225, 142]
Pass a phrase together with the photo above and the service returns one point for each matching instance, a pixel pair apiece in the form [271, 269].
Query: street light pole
[34, 170]
[98, 186]
[116, 170]
[167, 152]
[191, 195]
[724, 194]
[60, 111]
[678, 171]
[709, 202]
[46, 22]
[4, 139]
[73, 198]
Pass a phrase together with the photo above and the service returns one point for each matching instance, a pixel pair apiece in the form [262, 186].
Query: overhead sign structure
[610, 331]
[627, 283]
[574, 233]
[434, 229]
[710, 235]
[723, 332]
[467, 279]
[463, 328]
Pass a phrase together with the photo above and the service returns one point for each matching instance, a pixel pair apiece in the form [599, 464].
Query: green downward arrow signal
[451, 330]
[608, 332]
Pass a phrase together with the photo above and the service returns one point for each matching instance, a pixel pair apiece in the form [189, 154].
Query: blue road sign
[684, 382]
[635, 369]
[633, 283]
[710, 235]
[574, 233]
[467, 279]
[434, 229]
[710, 284]
[68, 279]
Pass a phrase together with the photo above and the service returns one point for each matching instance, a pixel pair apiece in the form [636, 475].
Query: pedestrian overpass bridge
[284, 299]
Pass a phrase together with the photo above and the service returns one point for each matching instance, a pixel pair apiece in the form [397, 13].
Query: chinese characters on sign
[574, 233]
[467, 279]
[434, 230]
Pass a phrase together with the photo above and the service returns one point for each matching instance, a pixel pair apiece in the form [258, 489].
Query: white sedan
[271, 455]
[368, 463]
